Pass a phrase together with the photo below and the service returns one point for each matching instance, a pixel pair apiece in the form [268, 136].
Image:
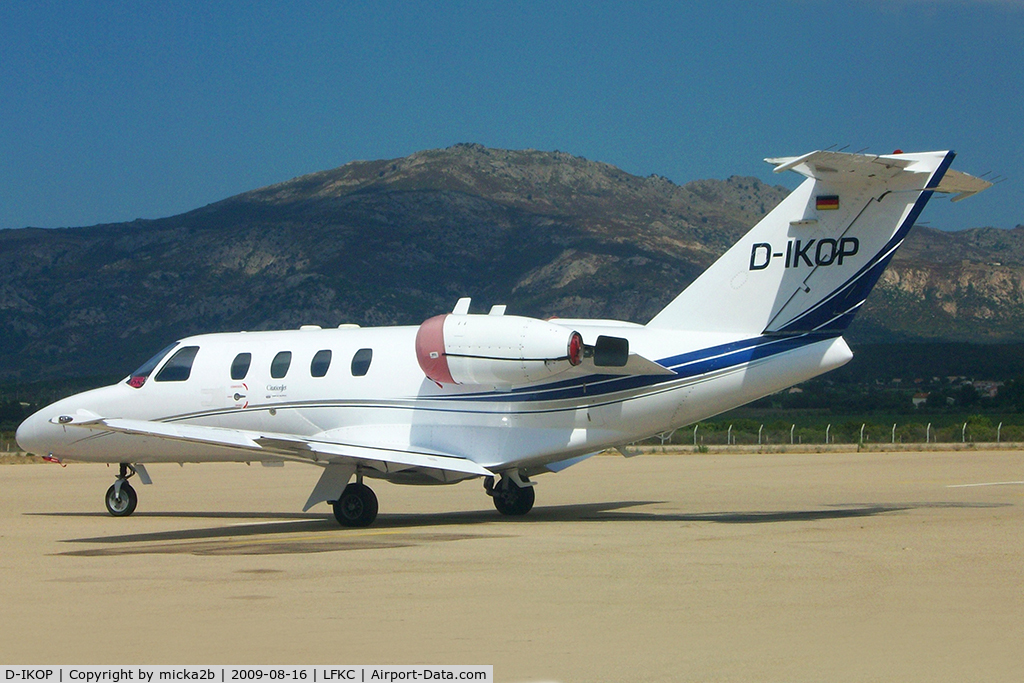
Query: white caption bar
[335, 673]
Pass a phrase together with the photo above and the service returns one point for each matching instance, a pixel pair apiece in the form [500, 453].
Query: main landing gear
[357, 505]
[513, 495]
[121, 498]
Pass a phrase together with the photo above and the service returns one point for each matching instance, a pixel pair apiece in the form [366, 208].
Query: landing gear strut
[357, 505]
[511, 498]
[121, 498]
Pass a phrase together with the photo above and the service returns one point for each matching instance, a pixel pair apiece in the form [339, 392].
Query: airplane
[504, 397]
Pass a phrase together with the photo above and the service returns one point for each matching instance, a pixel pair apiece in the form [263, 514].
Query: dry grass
[833, 448]
[19, 459]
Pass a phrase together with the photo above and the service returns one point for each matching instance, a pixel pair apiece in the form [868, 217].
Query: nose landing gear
[121, 498]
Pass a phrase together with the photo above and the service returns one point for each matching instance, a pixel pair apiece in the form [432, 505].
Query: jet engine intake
[495, 350]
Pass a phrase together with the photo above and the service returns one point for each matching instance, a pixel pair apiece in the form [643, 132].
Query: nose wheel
[121, 498]
[121, 501]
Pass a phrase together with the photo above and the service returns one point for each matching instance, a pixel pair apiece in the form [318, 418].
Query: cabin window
[280, 364]
[179, 367]
[138, 378]
[240, 365]
[321, 362]
[361, 362]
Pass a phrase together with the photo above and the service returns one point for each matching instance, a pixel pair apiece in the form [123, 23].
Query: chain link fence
[781, 432]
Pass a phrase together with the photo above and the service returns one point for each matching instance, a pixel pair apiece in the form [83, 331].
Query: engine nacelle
[495, 349]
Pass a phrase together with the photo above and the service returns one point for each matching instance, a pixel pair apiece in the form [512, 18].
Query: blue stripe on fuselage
[686, 365]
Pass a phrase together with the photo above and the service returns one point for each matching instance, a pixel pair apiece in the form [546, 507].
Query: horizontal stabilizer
[635, 365]
[962, 185]
[837, 166]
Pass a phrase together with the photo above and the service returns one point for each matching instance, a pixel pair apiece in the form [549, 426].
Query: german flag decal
[827, 202]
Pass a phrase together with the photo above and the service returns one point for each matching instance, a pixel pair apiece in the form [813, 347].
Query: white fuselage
[394, 405]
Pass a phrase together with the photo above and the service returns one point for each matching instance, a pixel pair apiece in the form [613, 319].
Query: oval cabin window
[361, 362]
[281, 363]
[321, 363]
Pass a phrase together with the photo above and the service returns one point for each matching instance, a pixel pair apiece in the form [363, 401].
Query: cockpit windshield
[138, 378]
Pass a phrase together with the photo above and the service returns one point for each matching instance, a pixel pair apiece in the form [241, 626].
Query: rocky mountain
[962, 286]
[396, 241]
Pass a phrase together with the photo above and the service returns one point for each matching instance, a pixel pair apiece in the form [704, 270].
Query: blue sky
[113, 111]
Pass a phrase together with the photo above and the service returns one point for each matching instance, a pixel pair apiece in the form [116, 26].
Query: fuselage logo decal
[812, 252]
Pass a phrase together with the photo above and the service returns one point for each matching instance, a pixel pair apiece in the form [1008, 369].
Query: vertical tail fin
[810, 263]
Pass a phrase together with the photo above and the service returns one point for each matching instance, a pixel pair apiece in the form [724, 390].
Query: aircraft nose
[32, 433]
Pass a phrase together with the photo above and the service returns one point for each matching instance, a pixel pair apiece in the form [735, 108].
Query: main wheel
[357, 506]
[121, 503]
[510, 499]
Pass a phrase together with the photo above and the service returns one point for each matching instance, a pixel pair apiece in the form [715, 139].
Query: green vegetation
[11, 415]
[811, 427]
[18, 401]
[924, 361]
[842, 409]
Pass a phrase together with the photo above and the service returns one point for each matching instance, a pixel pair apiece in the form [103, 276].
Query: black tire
[357, 506]
[512, 500]
[123, 504]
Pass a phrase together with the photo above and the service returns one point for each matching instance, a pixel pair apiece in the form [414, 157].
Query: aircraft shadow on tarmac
[311, 532]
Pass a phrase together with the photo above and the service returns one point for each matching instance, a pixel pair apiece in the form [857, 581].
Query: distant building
[920, 398]
[987, 388]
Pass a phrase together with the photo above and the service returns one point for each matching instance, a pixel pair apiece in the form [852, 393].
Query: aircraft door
[216, 392]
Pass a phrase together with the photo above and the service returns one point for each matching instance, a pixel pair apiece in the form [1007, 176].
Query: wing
[273, 445]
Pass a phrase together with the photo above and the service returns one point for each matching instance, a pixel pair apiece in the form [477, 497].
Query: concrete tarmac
[697, 567]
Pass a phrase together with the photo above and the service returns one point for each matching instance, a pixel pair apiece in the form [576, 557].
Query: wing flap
[276, 445]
